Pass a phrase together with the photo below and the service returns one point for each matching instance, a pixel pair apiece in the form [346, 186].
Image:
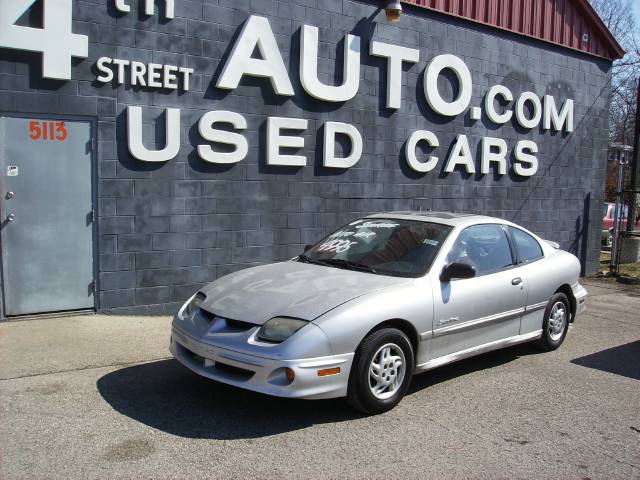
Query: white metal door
[47, 222]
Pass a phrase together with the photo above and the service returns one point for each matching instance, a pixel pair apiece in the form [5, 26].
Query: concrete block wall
[165, 229]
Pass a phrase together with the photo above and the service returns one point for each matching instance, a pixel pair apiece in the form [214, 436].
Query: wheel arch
[566, 289]
[404, 326]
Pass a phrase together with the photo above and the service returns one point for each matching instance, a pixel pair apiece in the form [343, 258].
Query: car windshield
[382, 246]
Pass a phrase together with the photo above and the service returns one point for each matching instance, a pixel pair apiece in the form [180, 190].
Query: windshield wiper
[306, 259]
[339, 262]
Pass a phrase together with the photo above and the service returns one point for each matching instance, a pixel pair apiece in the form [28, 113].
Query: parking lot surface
[99, 397]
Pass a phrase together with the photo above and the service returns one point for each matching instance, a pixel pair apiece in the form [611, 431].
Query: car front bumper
[260, 374]
[580, 294]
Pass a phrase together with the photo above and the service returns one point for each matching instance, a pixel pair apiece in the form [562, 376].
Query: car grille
[230, 369]
[223, 369]
[238, 325]
[232, 325]
[208, 315]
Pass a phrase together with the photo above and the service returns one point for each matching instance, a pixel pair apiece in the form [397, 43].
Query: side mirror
[457, 270]
[308, 247]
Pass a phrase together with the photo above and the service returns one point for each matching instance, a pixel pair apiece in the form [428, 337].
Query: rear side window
[528, 247]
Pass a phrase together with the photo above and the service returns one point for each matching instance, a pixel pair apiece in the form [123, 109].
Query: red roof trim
[597, 22]
[559, 22]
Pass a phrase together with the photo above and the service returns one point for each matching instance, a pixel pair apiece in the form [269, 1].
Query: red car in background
[607, 222]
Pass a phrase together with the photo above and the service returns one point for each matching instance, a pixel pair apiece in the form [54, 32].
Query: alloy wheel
[557, 320]
[387, 371]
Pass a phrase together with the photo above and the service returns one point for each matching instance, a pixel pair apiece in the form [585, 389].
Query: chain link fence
[624, 235]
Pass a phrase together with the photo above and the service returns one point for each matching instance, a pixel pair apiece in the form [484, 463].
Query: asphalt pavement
[99, 397]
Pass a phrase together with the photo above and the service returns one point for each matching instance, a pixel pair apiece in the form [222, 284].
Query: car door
[487, 308]
[531, 259]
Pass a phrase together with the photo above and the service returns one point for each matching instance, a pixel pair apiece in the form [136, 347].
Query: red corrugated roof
[570, 23]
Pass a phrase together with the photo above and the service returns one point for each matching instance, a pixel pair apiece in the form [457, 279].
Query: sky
[637, 11]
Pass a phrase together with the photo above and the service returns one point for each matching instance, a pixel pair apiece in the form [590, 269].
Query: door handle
[516, 281]
[11, 217]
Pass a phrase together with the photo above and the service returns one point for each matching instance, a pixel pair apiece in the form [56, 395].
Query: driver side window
[483, 246]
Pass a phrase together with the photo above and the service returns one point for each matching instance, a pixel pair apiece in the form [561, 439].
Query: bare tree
[618, 17]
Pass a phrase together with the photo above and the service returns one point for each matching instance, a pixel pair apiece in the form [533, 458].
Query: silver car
[377, 301]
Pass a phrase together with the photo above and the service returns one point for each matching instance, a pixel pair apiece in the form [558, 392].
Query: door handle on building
[11, 217]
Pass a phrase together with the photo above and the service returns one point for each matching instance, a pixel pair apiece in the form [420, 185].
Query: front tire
[381, 371]
[555, 324]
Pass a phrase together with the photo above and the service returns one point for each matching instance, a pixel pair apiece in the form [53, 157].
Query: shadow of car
[620, 360]
[167, 396]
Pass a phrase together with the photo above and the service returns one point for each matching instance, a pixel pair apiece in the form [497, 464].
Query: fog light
[291, 375]
[329, 371]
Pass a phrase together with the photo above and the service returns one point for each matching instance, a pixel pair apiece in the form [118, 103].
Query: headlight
[195, 303]
[278, 329]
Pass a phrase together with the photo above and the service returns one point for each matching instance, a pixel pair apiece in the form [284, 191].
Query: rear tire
[381, 371]
[555, 324]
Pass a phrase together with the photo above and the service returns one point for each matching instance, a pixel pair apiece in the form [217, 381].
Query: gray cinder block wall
[165, 229]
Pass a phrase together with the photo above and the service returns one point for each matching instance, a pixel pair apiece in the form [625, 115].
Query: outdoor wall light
[393, 10]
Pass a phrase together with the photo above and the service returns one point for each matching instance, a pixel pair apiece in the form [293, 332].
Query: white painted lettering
[521, 116]
[138, 71]
[205, 127]
[526, 162]
[395, 56]
[490, 108]
[276, 141]
[169, 7]
[410, 151]
[120, 64]
[490, 156]
[186, 75]
[169, 78]
[460, 155]
[106, 74]
[256, 32]
[155, 75]
[559, 121]
[462, 73]
[309, 68]
[172, 134]
[331, 129]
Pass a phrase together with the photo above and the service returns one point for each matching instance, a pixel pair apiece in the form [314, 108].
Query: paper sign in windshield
[336, 245]
[377, 225]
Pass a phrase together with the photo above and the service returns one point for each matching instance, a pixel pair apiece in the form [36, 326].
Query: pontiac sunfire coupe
[377, 301]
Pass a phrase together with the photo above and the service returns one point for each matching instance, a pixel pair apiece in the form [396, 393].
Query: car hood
[290, 289]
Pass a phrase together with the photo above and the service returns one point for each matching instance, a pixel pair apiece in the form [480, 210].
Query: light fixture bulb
[393, 11]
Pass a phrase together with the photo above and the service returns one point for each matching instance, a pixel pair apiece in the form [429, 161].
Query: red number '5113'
[44, 130]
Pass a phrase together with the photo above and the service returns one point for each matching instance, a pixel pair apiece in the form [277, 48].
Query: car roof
[446, 218]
